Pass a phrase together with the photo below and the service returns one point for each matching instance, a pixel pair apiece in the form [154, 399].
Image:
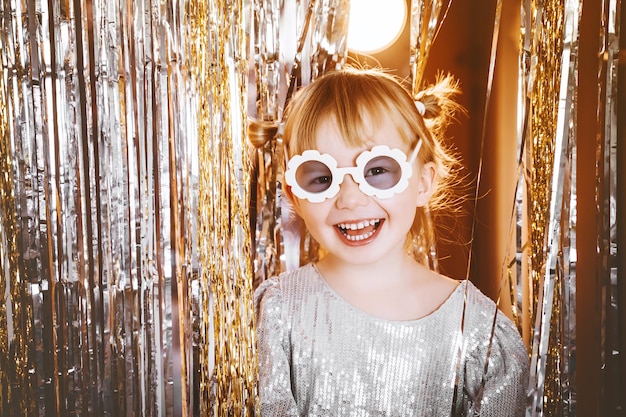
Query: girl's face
[354, 226]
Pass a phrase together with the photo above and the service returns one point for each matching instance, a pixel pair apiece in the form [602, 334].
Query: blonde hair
[350, 96]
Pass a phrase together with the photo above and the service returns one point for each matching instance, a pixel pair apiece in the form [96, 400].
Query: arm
[274, 352]
[502, 391]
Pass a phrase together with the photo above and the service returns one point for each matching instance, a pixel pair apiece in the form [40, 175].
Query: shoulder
[466, 300]
[284, 301]
[476, 296]
[482, 310]
[285, 287]
[488, 323]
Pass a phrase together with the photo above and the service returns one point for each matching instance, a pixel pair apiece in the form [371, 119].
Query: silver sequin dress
[320, 356]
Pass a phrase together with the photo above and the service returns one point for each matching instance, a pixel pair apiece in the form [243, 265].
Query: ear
[426, 184]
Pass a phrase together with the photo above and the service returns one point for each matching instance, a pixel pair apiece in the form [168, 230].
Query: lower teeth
[357, 238]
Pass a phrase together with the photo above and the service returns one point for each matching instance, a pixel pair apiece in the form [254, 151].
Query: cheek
[314, 219]
[405, 206]
[311, 213]
[410, 195]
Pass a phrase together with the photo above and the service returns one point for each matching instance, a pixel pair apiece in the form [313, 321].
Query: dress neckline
[459, 291]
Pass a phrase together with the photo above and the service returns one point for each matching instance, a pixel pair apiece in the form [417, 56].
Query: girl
[368, 330]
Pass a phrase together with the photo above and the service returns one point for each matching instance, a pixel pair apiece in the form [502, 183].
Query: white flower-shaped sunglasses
[380, 172]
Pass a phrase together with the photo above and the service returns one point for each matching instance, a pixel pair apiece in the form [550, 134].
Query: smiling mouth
[356, 232]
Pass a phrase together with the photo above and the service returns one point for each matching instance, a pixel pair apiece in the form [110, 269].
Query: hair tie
[421, 107]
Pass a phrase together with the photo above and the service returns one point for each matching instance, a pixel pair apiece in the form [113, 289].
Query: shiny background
[136, 219]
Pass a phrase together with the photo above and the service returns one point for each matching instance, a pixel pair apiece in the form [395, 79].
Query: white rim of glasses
[338, 174]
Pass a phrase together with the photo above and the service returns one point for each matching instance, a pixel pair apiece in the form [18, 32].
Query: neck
[367, 274]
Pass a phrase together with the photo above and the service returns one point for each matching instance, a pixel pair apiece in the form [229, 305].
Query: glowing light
[374, 24]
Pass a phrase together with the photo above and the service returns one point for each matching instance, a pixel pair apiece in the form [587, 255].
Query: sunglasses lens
[314, 176]
[382, 172]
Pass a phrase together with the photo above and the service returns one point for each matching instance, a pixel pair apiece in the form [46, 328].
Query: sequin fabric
[320, 356]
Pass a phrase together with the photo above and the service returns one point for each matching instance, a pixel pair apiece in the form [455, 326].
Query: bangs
[356, 103]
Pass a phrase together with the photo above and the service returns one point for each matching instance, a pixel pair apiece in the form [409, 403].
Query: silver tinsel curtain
[136, 219]
[125, 278]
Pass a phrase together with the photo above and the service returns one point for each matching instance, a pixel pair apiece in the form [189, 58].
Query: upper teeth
[360, 225]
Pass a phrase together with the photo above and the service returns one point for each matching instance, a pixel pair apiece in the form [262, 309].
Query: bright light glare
[375, 24]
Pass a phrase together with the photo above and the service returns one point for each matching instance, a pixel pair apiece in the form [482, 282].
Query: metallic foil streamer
[124, 242]
[266, 214]
[548, 61]
[329, 37]
[266, 55]
[104, 289]
[296, 244]
[91, 176]
[268, 242]
[296, 77]
[321, 33]
[228, 386]
[16, 330]
[426, 20]
[562, 256]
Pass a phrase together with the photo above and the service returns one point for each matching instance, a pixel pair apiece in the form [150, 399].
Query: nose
[350, 195]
